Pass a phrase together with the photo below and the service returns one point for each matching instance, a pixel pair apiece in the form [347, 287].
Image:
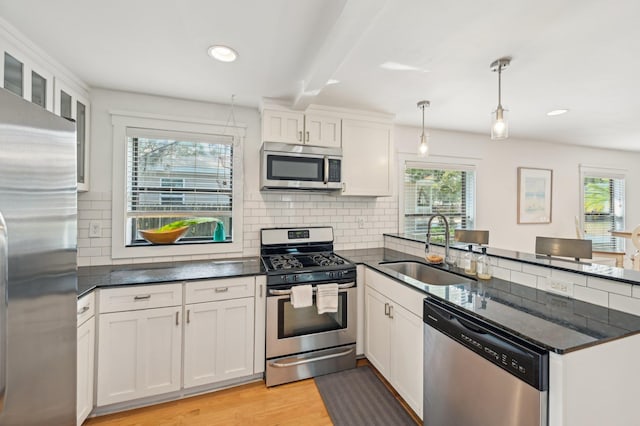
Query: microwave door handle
[326, 170]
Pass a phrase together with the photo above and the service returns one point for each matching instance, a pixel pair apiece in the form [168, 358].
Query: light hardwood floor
[297, 403]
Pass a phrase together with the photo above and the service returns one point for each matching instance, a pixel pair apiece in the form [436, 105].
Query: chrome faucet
[446, 236]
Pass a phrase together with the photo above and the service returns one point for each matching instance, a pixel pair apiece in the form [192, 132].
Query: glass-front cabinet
[70, 104]
[22, 74]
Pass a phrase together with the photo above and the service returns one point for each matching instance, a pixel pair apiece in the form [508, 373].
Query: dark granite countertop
[559, 324]
[91, 277]
[585, 268]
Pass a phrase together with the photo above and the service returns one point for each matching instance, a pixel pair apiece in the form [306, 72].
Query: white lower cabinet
[393, 335]
[139, 342]
[141, 349]
[139, 354]
[218, 341]
[86, 336]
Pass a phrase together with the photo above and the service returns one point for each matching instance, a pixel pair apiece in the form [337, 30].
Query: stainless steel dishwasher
[478, 375]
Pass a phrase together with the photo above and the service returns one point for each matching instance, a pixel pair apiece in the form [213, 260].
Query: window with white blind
[603, 207]
[174, 168]
[174, 176]
[430, 189]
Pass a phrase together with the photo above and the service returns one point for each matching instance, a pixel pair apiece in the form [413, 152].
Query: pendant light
[499, 125]
[423, 149]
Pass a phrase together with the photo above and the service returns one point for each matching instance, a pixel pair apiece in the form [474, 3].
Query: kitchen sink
[425, 273]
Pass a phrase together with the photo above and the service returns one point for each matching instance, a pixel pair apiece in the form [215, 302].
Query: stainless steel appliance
[477, 375]
[290, 166]
[300, 342]
[38, 215]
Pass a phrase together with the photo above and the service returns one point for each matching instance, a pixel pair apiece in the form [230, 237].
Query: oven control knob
[295, 277]
[284, 278]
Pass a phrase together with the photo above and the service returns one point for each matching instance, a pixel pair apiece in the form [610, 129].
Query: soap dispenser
[484, 265]
[469, 261]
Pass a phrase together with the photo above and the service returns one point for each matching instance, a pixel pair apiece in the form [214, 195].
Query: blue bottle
[219, 234]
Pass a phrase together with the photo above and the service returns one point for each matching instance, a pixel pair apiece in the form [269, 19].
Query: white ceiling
[583, 55]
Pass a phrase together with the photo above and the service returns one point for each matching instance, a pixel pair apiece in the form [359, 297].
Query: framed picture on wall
[534, 195]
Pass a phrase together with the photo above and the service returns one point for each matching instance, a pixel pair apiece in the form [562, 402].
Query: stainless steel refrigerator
[38, 233]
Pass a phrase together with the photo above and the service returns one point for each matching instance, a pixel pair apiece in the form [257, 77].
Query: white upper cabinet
[367, 149]
[320, 128]
[282, 126]
[21, 72]
[74, 106]
[26, 78]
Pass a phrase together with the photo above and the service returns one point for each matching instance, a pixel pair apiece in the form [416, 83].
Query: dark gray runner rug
[357, 397]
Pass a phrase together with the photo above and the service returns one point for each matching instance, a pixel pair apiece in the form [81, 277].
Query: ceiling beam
[353, 23]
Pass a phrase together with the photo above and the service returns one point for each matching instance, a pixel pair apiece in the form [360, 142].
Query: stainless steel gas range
[302, 343]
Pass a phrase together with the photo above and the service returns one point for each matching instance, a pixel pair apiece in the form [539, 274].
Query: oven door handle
[288, 292]
[308, 360]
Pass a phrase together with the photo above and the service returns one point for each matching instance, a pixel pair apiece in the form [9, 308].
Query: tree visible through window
[603, 211]
[429, 190]
[177, 176]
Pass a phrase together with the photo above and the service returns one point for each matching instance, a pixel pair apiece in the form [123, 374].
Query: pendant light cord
[232, 118]
[423, 119]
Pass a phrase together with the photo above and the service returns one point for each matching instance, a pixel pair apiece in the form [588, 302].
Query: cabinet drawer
[86, 308]
[222, 289]
[140, 297]
[401, 294]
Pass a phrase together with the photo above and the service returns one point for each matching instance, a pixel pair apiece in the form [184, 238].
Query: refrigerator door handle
[4, 277]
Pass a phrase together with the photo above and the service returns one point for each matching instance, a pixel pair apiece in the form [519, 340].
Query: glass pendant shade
[499, 124]
[423, 148]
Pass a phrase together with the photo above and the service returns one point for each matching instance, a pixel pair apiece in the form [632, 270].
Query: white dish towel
[327, 298]
[301, 296]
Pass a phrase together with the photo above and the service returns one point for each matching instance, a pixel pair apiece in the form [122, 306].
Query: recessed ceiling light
[332, 81]
[222, 53]
[395, 66]
[557, 112]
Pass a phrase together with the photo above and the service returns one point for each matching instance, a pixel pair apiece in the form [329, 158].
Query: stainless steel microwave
[290, 166]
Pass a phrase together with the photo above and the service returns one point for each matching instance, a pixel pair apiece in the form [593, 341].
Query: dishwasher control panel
[520, 358]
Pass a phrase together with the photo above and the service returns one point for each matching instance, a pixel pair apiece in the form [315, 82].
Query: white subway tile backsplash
[591, 295]
[624, 303]
[502, 273]
[569, 276]
[524, 279]
[609, 286]
[536, 270]
[510, 264]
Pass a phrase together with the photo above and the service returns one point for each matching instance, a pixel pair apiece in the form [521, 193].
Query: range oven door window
[294, 322]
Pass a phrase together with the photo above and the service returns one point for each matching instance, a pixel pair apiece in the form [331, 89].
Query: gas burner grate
[285, 261]
[327, 259]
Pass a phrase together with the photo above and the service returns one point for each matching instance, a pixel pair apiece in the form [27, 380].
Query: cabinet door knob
[222, 289]
[188, 316]
[386, 309]
[307, 136]
[178, 318]
[299, 135]
[344, 186]
[391, 311]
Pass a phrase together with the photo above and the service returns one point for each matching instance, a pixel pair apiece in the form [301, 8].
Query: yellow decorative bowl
[165, 237]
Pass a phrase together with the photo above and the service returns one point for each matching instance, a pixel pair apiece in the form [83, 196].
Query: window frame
[604, 173]
[121, 120]
[440, 163]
